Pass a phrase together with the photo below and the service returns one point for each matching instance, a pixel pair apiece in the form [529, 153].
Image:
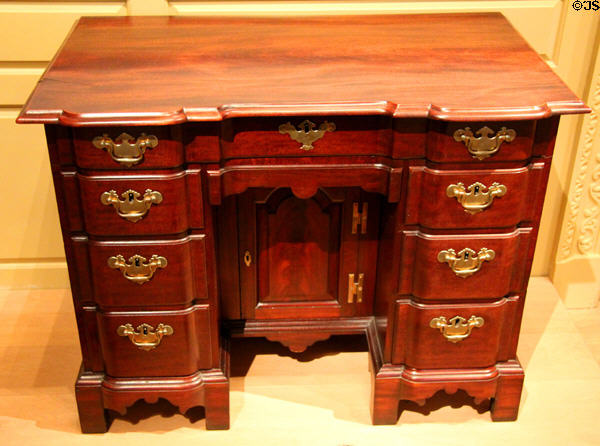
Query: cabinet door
[296, 255]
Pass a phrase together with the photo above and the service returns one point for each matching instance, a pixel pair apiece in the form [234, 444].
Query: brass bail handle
[477, 197]
[484, 146]
[305, 133]
[137, 269]
[467, 262]
[457, 328]
[145, 337]
[123, 150]
[131, 207]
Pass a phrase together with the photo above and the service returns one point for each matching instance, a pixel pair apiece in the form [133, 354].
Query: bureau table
[294, 179]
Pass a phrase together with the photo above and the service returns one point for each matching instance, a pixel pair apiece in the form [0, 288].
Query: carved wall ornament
[581, 228]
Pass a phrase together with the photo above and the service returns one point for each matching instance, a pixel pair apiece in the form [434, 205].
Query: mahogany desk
[296, 178]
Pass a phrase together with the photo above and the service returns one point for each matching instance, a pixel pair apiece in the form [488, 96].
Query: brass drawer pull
[306, 133]
[123, 151]
[483, 147]
[457, 328]
[467, 262]
[146, 337]
[477, 198]
[131, 207]
[136, 269]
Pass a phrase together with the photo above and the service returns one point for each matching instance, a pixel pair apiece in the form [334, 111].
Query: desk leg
[505, 404]
[88, 392]
[217, 406]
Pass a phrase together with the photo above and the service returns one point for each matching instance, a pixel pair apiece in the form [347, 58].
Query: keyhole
[137, 262]
[145, 330]
[476, 190]
[306, 128]
[247, 258]
[466, 255]
[130, 196]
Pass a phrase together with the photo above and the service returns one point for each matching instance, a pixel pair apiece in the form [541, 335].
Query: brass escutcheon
[247, 258]
[306, 133]
[458, 328]
[136, 269]
[131, 207]
[484, 146]
[467, 262]
[146, 337]
[477, 198]
[122, 150]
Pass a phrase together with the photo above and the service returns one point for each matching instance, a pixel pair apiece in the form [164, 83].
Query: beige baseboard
[577, 281]
[28, 275]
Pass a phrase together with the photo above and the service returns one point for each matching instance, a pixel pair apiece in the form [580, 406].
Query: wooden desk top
[167, 70]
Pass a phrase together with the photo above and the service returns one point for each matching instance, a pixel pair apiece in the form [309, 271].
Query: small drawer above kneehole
[313, 136]
[141, 204]
[128, 148]
[482, 142]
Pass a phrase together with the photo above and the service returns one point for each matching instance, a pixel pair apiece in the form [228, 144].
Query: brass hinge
[360, 218]
[355, 288]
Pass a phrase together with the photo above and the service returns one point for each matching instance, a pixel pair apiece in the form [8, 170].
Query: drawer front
[472, 198]
[172, 272]
[479, 141]
[454, 336]
[302, 136]
[465, 266]
[130, 148]
[141, 204]
[136, 344]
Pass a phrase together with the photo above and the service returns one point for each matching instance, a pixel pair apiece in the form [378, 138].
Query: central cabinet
[285, 257]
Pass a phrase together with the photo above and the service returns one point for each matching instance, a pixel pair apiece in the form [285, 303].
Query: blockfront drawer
[306, 136]
[130, 148]
[454, 336]
[473, 198]
[464, 266]
[141, 204]
[479, 141]
[144, 272]
[168, 343]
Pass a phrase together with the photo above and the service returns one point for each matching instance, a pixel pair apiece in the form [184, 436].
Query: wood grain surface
[167, 70]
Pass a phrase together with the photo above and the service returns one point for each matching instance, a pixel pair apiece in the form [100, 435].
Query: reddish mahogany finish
[418, 345]
[443, 148]
[168, 152]
[179, 210]
[260, 235]
[427, 278]
[303, 251]
[353, 135]
[180, 282]
[429, 205]
[184, 352]
[452, 67]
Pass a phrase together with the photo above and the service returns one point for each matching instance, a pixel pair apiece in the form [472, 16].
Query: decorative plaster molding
[583, 210]
[588, 232]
